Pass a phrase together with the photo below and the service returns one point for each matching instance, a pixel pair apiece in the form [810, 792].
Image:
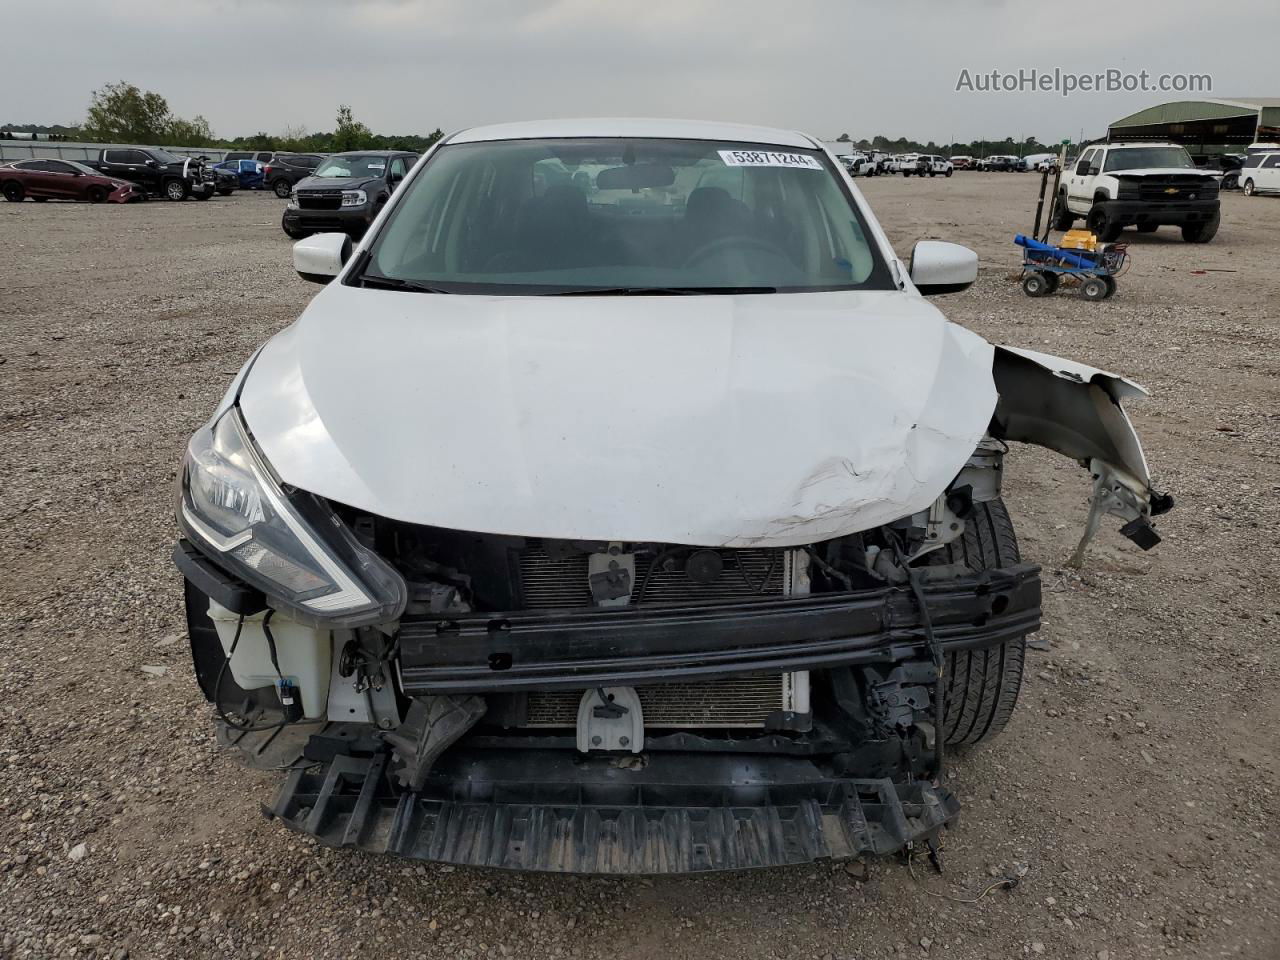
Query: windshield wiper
[395, 283]
[655, 291]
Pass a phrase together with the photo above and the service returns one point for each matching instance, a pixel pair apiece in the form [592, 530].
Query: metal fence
[63, 150]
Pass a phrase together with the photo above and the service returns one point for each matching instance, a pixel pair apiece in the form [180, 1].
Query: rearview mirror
[637, 176]
[938, 267]
[319, 258]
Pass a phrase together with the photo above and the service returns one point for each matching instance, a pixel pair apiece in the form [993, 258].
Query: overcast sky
[822, 66]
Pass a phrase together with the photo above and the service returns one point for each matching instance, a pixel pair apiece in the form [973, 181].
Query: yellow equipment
[1079, 240]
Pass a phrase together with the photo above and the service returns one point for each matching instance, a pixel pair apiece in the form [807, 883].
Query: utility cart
[1044, 267]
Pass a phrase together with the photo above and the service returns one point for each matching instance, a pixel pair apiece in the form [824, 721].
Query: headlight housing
[233, 508]
[354, 198]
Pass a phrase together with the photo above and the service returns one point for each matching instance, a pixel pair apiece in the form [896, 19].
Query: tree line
[123, 113]
[974, 148]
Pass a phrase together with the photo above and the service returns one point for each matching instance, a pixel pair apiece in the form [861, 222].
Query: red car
[63, 180]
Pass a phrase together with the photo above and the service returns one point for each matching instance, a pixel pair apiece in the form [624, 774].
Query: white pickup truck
[1147, 185]
[927, 164]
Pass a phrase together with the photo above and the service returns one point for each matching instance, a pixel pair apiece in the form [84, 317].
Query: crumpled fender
[1076, 410]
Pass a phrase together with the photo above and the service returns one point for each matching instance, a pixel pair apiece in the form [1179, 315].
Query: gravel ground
[1135, 792]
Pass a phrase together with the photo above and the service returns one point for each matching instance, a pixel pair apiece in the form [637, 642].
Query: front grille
[733, 703]
[320, 199]
[550, 582]
[324, 223]
[1173, 189]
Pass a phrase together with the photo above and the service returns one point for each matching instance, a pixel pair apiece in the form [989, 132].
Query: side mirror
[152, 163]
[938, 267]
[1094, 171]
[319, 258]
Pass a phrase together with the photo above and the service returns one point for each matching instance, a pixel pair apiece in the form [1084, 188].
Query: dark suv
[345, 193]
[283, 170]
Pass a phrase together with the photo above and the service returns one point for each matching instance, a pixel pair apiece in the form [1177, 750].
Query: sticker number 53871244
[767, 158]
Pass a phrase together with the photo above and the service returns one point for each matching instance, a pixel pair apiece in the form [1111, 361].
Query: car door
[61, 179]
[35, 178]
[1269, 172]
[1081, 180]
[128, 165]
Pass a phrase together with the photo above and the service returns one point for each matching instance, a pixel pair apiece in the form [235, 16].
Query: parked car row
[151, 171]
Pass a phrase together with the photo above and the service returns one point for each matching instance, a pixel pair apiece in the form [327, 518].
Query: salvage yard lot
[1135, 792]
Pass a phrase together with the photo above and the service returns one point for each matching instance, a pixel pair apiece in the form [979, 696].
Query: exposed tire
[297, 234]
[225, 193]
[1249, 188]
[1035, 284]
[96, 195]
[1063, 218]
[1202, 232]
[175, 190]
[1148, 227]
[1111, 287]
[1094, 288]
[1100, 224]
[283, 188]
[13, 192]
[982, 685]
[204, 195]
[948, 173]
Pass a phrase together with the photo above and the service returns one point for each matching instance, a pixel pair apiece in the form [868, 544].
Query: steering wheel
[737, 241]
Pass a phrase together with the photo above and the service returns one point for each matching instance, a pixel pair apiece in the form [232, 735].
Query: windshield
[626, 216]
[342, 168]
[1144, 158]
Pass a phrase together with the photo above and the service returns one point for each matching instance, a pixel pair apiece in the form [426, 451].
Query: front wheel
[1202, 232]
[982, 685]
[1249, 188]
[1100, 224]
[1095, 288]
[1037, 284]
[949, 172]
[175, 190]
[96, 195]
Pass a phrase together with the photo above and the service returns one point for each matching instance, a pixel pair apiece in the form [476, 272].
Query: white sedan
[622, 503]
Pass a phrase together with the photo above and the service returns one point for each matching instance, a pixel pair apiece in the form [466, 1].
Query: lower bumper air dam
[678, 814]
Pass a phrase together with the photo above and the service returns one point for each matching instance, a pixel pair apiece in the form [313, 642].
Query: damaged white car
[621, 505]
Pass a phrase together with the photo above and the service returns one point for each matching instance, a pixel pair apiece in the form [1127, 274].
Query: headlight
[354, 198]
[293, 201]
[235, 511]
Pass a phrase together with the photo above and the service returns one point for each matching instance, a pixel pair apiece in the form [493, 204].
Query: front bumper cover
[580, 648]
[352, 220]
[550, 812]
[1176, 213]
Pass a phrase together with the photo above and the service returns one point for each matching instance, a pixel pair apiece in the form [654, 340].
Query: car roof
[634, 127]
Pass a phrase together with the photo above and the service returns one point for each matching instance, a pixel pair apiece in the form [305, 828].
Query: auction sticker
[766, 158]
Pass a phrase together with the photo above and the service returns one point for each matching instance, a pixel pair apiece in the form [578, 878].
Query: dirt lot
[1135, 791]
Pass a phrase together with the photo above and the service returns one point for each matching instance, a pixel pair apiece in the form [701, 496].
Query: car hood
[766, 420]
[334, 183]
[1160, 172]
